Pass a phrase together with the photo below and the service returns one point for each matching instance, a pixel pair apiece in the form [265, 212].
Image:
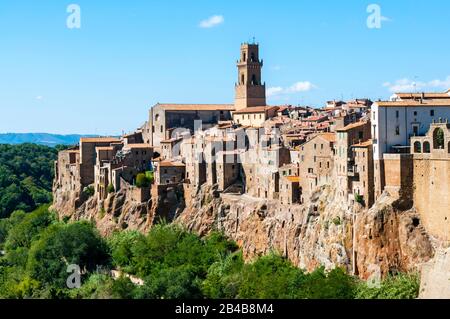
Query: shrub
[337, 221]
[110, 189]
[403, 286]
[359, 199]
[89, 191]
[142, 180]
[150, 175]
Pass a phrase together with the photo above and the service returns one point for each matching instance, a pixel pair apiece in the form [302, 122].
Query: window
[254, 81]
[415, 130]
[397, 130]
[432, 113]
[397, 114]
[417, 147]
[415, 113]
[374, 116]
[426, 147]
[360, 135]
[162, 129]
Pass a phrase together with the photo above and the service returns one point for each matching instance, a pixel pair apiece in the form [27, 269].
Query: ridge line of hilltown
[281, 153]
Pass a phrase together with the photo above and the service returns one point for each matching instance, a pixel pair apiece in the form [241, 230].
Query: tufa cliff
[325, 231]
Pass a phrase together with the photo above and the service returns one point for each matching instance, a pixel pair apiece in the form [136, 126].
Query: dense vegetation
[26, 174]
[36, 251]
[172, 262]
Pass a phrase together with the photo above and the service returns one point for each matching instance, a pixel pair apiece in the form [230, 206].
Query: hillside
[26, 173]
[40, 138]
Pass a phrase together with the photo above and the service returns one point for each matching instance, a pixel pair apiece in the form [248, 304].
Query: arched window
[417, 147]
[254, 81]
[438, 139]
[244, 57]
[157, 117]
[448, 147]
[426, 147]
[252, 58]
[242, 79]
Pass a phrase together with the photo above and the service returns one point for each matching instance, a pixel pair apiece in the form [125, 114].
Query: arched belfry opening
[426, 147]
[438, 139]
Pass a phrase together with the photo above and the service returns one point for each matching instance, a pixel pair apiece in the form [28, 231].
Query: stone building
[363, 173]
[254, 116]
[394, 122]
[67, 170]
[316, 162]
[228, 168]
[169, 173]
[431, 179]
[88, 156]
[165, 118]
[250, 91]
[290, 191]
[352, 134]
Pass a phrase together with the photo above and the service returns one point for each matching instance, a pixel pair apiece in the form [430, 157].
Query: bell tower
[250, 91]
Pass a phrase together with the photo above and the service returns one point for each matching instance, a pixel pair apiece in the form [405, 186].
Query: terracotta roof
[197, 107]
[99, 140]
[425, 95]
[351, 126]
[171, 164]
[331, 137]
[172, 140]
[315, 118]
[293, 179]
[414, 103]
[255, 109]
[364, 144]
[141, 145]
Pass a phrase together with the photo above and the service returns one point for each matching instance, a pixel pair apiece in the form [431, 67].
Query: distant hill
[41, 138]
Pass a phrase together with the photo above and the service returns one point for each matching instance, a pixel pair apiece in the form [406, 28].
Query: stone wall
[431, 195]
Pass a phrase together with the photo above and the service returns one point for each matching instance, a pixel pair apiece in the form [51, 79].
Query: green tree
[62, 245]
[142, 180]
[403, 286]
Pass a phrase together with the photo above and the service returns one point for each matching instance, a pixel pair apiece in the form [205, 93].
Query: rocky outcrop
[120, 210]
[436, 277]
[324, 232]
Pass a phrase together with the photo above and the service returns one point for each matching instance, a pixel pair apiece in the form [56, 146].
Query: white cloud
[301, 87]
[274, 91]
[295, 88]
[408, 85]
[213, 21]
[276, 68]
[39, 98]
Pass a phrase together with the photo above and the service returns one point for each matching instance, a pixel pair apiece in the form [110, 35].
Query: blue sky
[129, 55]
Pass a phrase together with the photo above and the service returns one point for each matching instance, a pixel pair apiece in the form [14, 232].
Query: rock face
[325, 231]
[119, 211]
[436, 277]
